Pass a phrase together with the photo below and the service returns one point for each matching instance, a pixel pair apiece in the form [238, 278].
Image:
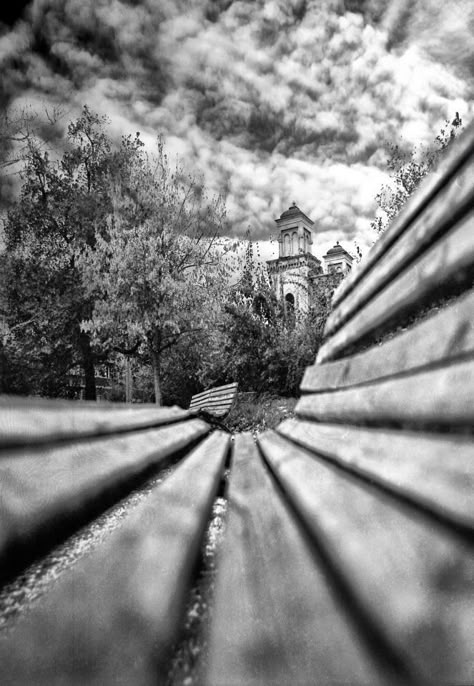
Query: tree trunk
[128, 380]
[155, 359]
[88, 366]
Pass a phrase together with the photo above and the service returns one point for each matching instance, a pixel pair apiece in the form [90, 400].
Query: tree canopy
[62, 210]
[158, 271]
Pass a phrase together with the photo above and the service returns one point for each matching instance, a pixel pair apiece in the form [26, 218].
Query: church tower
[337, 260]
[296, 266]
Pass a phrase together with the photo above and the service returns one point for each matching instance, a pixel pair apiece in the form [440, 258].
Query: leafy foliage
[112, 254]
[62, 210]
[407, 169]
[260, 344]
[156, 274]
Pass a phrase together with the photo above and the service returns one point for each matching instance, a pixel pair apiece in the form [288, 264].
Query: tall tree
[62, 210]
[158, 270]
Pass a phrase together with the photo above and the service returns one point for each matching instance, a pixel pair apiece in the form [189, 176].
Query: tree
[407, 169]
[261, 345]
[157, 272]
[19, 128]
[62, 210]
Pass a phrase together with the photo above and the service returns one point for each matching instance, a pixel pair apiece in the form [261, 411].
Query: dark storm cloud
[270, 100]
[10, 12]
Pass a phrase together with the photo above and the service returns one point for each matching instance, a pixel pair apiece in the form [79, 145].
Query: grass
[259, 413]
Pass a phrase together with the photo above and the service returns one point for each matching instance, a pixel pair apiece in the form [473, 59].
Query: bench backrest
[378, 463]
[216, 401]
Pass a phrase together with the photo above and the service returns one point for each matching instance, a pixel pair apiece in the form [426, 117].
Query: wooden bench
[215, 404]
[348, 548]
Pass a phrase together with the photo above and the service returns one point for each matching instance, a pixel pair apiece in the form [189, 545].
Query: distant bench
[348, 550]
[215, 404]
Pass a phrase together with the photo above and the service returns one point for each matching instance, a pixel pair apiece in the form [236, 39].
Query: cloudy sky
[273, 101]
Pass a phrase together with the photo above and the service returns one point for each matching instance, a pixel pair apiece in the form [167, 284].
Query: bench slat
[213, 402]
[213, 398]
[455, 156]
[449, 259]
[437, 397]
[416, 582]
[275, 621]
[434, 472]
[446, 335]
[228, 389]
[40, 490]
[36, 423]
[456, 198]
[112, 618]
[217, 413]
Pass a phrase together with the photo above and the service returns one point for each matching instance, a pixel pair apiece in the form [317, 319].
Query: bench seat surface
[112, 618]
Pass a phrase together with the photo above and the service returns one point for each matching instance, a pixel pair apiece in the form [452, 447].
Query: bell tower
[295, 232]
[291, 273]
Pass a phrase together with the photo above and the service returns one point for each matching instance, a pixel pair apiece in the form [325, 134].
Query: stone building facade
[298, 277]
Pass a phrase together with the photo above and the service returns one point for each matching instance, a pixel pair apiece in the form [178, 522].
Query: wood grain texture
[456, 198]
[214, 405]
[41, 489]
[113, 617]
[413, 579]
[216, 401]
[33, 423]
[446, 335]
[439, 397]
[435, 472]
[218, 390]
[449, 259]
[275, 620]
[462, 149]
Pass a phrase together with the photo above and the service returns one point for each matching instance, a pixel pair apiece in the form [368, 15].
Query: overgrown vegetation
[407, 168]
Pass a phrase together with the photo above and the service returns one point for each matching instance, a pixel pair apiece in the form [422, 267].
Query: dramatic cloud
[271, 101]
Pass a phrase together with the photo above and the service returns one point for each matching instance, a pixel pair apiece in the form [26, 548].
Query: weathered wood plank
[455, 199]
[217, 398]
[446, 335]
[208, 402]
[112, 618]
[437, 397]
[452, 258]
[228, 389]
[414, 580]
[217, 402]
[213, 408]
[25, 423]
[434, 472]
[40, 490]
[461, 150]
[275, 621]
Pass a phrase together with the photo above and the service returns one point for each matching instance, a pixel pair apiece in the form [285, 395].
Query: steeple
[337, 260]
[295, 232]
[292, 271]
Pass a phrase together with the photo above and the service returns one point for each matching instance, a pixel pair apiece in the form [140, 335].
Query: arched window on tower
[287, 244]
[294, 243]
[290, 309]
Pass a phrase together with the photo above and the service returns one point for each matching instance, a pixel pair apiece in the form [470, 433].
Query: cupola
[337, 259]
[295, 232]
